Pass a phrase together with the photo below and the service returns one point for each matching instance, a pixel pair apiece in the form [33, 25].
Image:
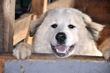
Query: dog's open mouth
[62, 50]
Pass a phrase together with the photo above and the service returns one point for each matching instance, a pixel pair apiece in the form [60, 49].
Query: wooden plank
[2, 66]
[62, 66]
[7, 17]
[97, 9]
[21, 28]
[61, 4]
[29, 39]
[49, 57]
[39, 7]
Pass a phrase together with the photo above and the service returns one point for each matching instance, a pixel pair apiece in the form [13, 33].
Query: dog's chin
[62, 51]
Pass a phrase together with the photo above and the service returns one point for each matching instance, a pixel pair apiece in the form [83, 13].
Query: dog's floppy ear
[36, 24]
[93, 27]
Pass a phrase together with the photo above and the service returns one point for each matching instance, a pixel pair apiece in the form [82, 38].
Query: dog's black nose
[61, 37]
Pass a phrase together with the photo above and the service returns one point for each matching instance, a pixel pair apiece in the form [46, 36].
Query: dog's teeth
[59, 51]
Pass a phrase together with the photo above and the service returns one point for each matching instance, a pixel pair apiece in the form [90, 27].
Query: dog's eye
[54, 25]
[71, 26]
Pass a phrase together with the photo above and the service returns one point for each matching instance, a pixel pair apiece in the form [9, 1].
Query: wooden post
[39, 6]
[21, 28]
[2, 66]
[7, 18]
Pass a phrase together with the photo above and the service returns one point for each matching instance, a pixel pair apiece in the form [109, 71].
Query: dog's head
[60, 30]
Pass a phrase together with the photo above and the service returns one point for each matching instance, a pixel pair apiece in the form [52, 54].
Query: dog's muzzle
[62, 50]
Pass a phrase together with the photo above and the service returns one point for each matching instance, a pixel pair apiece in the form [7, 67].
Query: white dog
[63, 32]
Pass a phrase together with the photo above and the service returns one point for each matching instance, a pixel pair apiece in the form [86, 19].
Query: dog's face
[64, 34]
[59, 31]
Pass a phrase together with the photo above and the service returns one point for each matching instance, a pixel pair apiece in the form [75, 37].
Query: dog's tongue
[61, 49]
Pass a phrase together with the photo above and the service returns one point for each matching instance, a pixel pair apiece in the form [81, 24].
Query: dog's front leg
[105, 46]
[22, 51]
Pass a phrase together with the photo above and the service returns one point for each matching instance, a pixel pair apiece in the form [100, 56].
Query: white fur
[80, 36]
[22, 51]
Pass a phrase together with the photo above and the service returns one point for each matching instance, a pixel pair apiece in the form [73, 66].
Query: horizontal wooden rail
[45, 57]
[50, 57]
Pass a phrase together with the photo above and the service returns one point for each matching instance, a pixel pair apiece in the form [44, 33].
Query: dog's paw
[106, 54]
[22, 51]
[105, 46]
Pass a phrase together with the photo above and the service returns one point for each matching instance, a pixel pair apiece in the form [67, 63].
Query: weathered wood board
[48, 63]
[61, 66]
[39, 6]
[7, 12]
[21, 28]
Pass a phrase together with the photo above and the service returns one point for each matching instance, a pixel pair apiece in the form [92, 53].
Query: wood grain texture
[50, 57]
[2, 66]
[61, 4]
[98, 10]
[7, 17]
[39, 7]
[21, 28]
